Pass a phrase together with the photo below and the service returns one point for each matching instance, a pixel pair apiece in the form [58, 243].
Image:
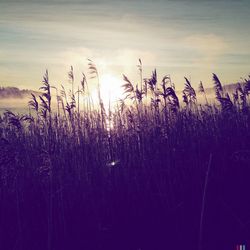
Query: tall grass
[88, 178]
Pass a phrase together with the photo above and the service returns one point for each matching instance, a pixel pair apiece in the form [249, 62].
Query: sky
[192, 38]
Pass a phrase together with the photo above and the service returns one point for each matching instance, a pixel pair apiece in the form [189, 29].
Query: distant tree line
[14, 92]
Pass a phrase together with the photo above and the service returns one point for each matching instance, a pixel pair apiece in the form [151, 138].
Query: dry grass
[91, 178]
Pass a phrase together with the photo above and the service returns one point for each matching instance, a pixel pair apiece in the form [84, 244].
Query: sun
[111, 90]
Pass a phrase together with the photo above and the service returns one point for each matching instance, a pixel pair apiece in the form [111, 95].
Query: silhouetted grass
[129, 178]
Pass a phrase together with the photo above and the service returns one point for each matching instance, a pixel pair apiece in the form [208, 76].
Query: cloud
[208, 43]
[114, 62]
[172, 36]
[207, 47]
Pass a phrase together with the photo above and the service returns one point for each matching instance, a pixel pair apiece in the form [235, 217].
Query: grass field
[153, 172]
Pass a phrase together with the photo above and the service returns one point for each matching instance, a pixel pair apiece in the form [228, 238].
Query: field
[153, 172]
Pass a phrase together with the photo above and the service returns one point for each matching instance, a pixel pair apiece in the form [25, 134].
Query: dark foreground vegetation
[157, 173]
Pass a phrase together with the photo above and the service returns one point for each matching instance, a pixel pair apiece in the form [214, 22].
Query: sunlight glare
[111, 90]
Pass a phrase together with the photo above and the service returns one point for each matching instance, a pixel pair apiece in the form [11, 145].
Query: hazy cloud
[180, 37]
